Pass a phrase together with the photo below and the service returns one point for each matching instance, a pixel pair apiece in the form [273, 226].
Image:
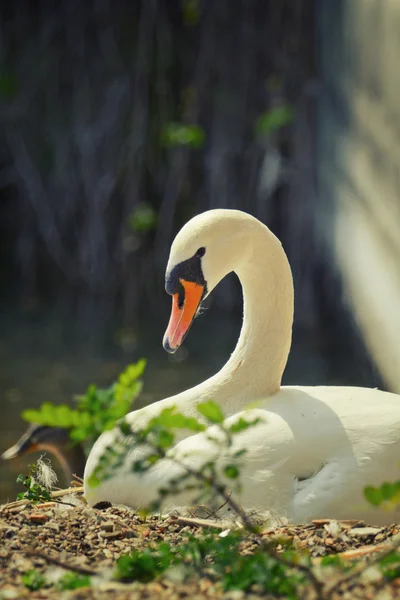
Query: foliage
[390, 565]
[98, 410]
[221, 556]
[211, 411]
[145, 565]
[73, 581]
[143, 218]
[158, 433]
[33, 580]
[159, 436]
[387, 493]
[34, 491]
[178, 134]
[273, 119]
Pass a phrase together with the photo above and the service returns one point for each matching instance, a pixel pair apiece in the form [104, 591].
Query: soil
[53, 537]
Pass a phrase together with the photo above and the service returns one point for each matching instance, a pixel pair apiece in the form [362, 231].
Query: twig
[222, 505]
[354, 573]
[356, 553]
[201, 522]
[54, 495]
[77, 478]
[57, 561]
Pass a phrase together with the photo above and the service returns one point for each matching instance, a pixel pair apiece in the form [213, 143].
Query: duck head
[38, 438]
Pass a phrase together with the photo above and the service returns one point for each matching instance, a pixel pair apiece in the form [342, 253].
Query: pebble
[364, 531]
[234, 595]
[104, 536]
[107, 526]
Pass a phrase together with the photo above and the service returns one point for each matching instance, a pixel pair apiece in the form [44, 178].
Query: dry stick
[363, 567]
[58, 494]
[57, 561]
[200, 522]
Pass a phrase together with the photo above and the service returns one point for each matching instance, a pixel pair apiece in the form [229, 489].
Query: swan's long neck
[259, 359]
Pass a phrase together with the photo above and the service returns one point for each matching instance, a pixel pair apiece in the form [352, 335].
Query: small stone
[364, 531]
[38, 518]
[107, 526]
[11, 531]
[89, 513]
[109, 535]
[234, 595]
[177, 573]
[329, 541]
[320, 522]
[9, 593]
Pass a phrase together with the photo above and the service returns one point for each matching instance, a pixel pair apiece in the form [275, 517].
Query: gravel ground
[51, 536]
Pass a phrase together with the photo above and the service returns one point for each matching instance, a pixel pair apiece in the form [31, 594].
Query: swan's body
[315, 448]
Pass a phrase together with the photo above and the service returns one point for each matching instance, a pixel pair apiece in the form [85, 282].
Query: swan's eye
[200, 252]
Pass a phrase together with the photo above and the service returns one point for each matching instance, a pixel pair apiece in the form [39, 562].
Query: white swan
[316, 448]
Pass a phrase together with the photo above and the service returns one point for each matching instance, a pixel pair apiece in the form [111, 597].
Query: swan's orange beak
[182, 314]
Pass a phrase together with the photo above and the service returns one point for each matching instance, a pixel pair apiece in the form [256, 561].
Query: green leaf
[389, 491]
[178, 134]
[273, 119]
[31, 415]
[211, 411]
[170, 419]
[373, 495]
[33, 580]
[232, 471]
[93, 480]
[390, 559]
[242, 425]
[65, 416]
[97, 411]
[143, 218]
[164, 438]
[73, 581]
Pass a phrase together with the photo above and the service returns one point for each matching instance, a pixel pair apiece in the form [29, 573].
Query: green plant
[98, 410]
[221, 557]
[143, 218]
[279, 573]
[33, 580]
[145, 565]
[34, 491]
[179, 134]
[390, 565]
[159, 436]
[73, 581]
[387, 493]
[273, 119]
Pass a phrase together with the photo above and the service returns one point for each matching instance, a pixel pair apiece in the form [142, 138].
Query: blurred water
[51, 360]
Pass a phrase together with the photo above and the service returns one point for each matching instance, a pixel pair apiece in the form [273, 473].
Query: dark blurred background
[121, 120]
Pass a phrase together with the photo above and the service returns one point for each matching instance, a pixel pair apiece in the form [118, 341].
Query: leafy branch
[96, 411]
[38, 484]
[159, 437]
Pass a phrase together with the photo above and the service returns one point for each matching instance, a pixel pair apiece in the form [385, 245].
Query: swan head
[206, 249]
